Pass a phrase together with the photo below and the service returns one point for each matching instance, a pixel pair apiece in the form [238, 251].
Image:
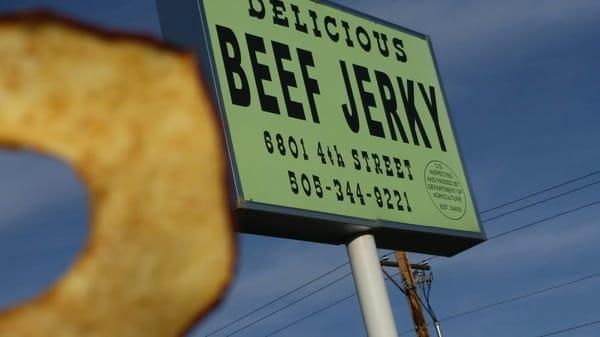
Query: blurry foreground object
[134, 120]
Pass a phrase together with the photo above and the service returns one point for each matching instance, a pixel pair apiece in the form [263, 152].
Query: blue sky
[522, 79]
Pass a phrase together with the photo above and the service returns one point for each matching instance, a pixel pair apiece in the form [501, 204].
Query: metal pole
[438, 330]
[370, 286]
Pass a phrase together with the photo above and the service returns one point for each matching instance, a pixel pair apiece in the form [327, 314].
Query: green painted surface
[431, 191]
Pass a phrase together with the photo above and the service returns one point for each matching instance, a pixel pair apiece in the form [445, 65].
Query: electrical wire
[430, 258]
[425, 288]
[530, 225]
[389, 277]
[540, 192]
[426, 305]
[314, 313]
[576, 327]
[272, 313]
[543, 220]
[541, 201]
[513, 299]
[491, 238]
[311, 315]
[464, 313]
[302, 286]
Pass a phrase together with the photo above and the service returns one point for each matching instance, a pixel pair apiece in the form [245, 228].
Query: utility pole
[412, 295]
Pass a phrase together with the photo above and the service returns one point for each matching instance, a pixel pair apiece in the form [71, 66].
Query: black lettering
[310, 84]
[407, 165]
[347, 31]
[430, 101]
[329, 21]
[350, 114]
[388, 166]
[278, 13]
[382, 43]
[233, 66]
[300, 26]
[256, 45]
[287, 79]
[390, 106]
[256, 13]
[293, 182]
[368, 101]
[314, 17]
[356, 159]
[363, 38]
[377, 163]
[400, 53]
[399, 170]
[365, 156]
[414, 120]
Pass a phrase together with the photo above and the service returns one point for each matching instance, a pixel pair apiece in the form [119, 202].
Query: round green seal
[445, 190]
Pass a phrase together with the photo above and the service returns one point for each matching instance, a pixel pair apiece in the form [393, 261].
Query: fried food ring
[135, 122]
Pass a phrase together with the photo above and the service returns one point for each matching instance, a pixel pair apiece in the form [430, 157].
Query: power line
[491, 238]
[433, 257]
[520, 297]
[541, 201]
[573, 210]
[513, 299]
[464, 313]
[311, 315]
[391, 278]
[426, 305]
[544, 220]
[302, 286]
[576, 327]
[272, 313]
[540, 192]
[314, 313]
[495, 237]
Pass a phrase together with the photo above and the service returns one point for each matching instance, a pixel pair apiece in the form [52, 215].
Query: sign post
[336, 123]
[370, 286]
[337, 129]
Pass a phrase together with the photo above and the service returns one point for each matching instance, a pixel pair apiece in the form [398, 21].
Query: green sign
[330, 114]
